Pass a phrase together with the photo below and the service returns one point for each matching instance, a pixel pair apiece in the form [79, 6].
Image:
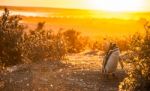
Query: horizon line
[82, 9]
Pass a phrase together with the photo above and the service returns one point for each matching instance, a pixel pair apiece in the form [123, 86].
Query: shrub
[42, 44]
[74, 41]
[11, 32]
[17, 46]
[138, 78]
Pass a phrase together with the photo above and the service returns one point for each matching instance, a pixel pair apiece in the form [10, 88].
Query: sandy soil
[78, 73]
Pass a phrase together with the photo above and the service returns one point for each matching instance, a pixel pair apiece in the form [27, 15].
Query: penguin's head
[114, 45]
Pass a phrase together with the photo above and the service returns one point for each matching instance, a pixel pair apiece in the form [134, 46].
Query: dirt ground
[78, 73]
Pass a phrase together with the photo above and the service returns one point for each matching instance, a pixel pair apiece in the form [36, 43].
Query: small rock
[62, 75]
[27, 84]
[51, 85]
[60, 70]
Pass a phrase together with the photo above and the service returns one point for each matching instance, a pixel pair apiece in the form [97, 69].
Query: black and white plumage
[110, 63]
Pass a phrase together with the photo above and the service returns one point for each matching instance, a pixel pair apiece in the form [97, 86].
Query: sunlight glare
[116, 5]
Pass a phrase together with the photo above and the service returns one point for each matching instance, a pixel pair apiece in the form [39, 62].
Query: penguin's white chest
[112, 62]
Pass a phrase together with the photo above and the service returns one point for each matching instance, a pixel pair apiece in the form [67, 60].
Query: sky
[106, 5]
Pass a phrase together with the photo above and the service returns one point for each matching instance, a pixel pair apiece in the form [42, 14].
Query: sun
[116, 5]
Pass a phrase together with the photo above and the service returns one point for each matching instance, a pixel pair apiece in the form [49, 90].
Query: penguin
[111, 59]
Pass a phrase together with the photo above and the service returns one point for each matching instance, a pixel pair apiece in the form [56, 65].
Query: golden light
[116, 5]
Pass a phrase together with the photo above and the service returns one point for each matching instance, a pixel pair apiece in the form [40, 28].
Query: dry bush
[42, 44]
[74, 41]
[123, 43]
[138, 78]
[17, 46]
[11, 32]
